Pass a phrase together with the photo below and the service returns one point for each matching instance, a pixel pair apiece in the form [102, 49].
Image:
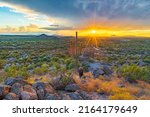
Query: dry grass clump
[109, 87]
[35, 78]
[122, 96]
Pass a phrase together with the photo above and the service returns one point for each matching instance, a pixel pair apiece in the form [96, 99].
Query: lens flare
[93, 31]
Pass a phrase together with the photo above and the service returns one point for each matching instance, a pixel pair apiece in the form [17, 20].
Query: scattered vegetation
[37, 59]
[135, 72]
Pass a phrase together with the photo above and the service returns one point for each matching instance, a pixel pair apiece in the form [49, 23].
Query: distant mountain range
[41, 36]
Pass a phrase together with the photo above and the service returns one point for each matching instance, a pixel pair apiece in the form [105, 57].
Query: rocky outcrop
[98, 69]
[21, 90]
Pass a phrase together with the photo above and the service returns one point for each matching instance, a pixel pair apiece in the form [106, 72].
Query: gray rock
[107, 70]
[28, 96]
[75, 96]
[44, 86]
[51, 97]
[72, 87]
[11, 96]
[64, 96]
[98, 72]
[10, 81]
[25, 95]
[98, 69]
[11, 59]
[41, 94]
[84, 95]
[41, 85]
[17, 88]
[29, 88]
[4, 89]
[57, 83]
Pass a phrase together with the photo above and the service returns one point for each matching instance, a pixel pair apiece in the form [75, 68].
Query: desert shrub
[122, 96]
[147, 60]
[56, 66]
[1, 79]
[15, 71]
[63, 69]
[67, 79]
[23, 72]
[70, 63]
[135, 72]
[54, 59]
[12, 71]
[45, 68]
[41, 70]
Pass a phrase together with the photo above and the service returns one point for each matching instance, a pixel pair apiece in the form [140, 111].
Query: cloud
[56, 27]
[21, 29]
[30, 13]
[67, 14]
[86, 8]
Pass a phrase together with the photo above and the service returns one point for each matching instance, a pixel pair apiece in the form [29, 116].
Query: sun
[93, 31]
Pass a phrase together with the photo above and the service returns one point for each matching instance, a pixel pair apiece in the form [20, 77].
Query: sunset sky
[64, 17]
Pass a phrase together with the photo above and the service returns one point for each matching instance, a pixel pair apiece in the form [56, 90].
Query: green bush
[70, 63]
[67, 79]
[1, 79]
[135, 72]
[15, 71]
[41, 70]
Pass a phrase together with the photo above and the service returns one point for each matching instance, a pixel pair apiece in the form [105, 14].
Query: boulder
[98, 69]
[10, 81]
[75, 96]
[29, 88]
[11, 96]
[49, 89]
[4, 89]
[28, 96]
[43, 86]
[64, 96]
[84, 95]
[107, 70]
[39, 85]
[51, 97]
[72, 87]
[98, 72]
[17, 88]
[57, 83]
[40, 94]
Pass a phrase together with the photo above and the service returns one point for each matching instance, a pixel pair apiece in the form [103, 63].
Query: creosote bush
[135, 72]
[15, 71]
[41, 70]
